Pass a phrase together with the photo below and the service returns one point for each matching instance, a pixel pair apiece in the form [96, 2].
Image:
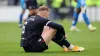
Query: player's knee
[24, 20]
[83, 11]
[46, 28]
[47, 31]
[23, 11]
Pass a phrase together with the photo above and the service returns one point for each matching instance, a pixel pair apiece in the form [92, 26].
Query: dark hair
[42, 8]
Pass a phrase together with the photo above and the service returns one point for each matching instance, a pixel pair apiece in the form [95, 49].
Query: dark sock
[65, 42]
[60, 40]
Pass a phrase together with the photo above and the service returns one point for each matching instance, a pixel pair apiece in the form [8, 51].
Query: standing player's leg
[25, 15]
[32, 7]
[32, 12]
[74, 22]
[22, 2]
[91, 28]
[21, 18]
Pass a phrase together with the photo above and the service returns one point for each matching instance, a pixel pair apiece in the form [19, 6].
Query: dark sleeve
[42, 21]
[56, 26]
[36, 22]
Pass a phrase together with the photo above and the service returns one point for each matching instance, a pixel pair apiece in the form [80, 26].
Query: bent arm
[56, 26]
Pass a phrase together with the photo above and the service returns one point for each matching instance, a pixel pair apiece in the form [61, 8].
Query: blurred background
[10, 9]
[62, 13]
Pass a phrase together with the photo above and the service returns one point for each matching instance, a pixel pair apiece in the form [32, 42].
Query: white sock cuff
[89, 26]
[71, 46]
[73, 26]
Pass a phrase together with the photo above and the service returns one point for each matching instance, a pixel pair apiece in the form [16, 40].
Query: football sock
[89, 26]
[73, 27]
[86, 19]
[75, 19]
[61, 40]
[21, 17]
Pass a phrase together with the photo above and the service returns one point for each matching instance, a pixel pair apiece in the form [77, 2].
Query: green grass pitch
[10, 41]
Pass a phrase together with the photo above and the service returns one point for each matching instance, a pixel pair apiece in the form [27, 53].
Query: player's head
[43, 11]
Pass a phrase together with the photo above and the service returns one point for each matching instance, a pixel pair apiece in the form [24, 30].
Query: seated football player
[38, 31]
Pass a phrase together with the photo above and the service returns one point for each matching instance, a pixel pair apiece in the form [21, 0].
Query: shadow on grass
[42, 52]
[54, 52]
[48, 52]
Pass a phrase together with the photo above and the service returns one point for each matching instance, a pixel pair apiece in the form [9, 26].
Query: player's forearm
[57, 26]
